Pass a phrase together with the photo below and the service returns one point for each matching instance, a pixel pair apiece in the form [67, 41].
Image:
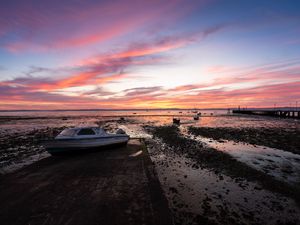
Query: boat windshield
[68, 132]
[86, 131]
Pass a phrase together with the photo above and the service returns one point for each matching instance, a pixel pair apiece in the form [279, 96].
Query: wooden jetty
[273, 112]
[109, 187]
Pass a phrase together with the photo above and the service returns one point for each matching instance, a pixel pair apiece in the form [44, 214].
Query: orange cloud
[262, 96]
[74, 80]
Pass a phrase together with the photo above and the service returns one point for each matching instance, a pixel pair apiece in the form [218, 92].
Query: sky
[83, 54]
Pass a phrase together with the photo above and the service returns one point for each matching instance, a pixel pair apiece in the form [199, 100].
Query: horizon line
[139, 109]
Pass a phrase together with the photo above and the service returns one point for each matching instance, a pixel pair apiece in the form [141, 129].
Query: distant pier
[274, 113]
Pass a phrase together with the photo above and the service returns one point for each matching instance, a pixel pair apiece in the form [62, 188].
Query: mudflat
[113, 186]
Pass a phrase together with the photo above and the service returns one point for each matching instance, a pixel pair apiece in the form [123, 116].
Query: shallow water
[209, 118]
[26, 122]
[113, 113]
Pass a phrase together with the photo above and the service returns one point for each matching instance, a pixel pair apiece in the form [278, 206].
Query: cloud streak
[102, 68]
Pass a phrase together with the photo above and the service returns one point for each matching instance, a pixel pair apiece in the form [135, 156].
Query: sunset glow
[148, 54]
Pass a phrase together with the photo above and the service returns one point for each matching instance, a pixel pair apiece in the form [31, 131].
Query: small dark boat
[196, 117]
[176, 121]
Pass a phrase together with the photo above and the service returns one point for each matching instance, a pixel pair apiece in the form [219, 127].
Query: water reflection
[280, 164]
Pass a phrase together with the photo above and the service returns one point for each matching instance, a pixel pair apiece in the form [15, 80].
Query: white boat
[84, 139]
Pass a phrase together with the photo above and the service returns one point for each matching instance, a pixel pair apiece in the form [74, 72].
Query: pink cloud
[55, 24]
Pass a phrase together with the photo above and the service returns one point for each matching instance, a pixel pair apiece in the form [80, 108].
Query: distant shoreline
[75, 110]
[156, 109]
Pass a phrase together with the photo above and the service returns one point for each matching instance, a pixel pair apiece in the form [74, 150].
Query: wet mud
[208, 186]
[17, 147]
[221, 162]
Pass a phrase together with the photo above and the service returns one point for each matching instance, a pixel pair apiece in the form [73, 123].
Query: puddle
[135, 131]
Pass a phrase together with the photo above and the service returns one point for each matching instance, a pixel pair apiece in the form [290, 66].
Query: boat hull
[61, 146]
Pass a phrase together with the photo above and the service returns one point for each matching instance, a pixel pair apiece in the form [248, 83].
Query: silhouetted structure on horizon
[274, 113]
